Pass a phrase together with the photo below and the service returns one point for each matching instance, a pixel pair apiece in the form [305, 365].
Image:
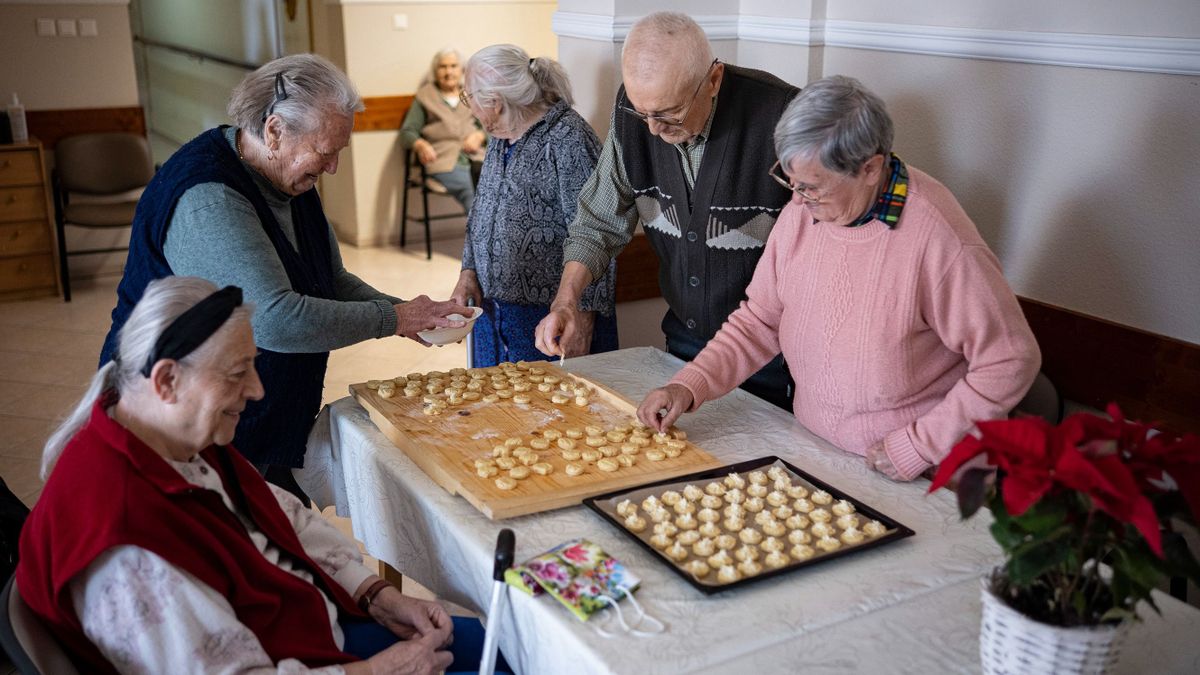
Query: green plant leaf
[1118, 614]
[1006, 535]
[973, 488]
[1034, 558]
[1043, 517]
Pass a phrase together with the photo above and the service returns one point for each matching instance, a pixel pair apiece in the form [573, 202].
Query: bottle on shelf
[16, 120]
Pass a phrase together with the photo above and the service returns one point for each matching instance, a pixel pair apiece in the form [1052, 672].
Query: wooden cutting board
[447, 445]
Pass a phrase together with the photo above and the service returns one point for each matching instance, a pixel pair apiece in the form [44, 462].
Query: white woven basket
[1011, 643]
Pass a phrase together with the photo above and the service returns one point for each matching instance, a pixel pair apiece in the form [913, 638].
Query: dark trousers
[772, 384]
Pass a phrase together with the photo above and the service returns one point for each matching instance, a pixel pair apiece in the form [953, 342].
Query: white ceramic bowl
[446, 336]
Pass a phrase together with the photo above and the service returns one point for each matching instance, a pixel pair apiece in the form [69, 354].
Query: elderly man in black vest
[687, 155]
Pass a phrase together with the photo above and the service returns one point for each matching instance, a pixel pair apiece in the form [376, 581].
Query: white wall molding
[1177, 56]
[439, 2]
[788, 31]
[64, 2]
[607, 28]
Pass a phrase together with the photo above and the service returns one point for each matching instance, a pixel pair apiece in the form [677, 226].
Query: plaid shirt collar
[891, 201]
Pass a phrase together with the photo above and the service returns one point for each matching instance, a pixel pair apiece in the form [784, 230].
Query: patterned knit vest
[709, 240]
[273, 430]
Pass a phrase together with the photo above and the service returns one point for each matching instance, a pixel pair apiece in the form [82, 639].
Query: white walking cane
[505, 544]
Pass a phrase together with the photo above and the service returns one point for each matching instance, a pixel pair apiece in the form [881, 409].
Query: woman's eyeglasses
[677, 120]
[807, 193]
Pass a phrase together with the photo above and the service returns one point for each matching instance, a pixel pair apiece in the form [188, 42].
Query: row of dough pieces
[601, 448]
[508, 381]
[711, 545]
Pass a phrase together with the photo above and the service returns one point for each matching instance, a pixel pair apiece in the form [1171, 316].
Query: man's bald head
[665, 48]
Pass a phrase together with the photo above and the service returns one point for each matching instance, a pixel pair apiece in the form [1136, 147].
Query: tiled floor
[48, 350]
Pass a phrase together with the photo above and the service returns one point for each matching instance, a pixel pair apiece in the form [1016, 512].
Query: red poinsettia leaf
[1114, 411]
[1023, 491]
[1021, 438]
[1146, 521]
[1075, 471]
[966, 449]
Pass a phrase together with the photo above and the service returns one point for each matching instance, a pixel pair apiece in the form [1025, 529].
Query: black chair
[429, 186]
[1042, 400]
[30, 646]
[104, 170]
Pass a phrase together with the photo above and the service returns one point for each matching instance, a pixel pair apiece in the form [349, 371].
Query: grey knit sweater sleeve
[346, 285]
[214, 233]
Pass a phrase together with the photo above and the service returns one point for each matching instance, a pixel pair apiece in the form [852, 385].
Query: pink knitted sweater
[903, 337]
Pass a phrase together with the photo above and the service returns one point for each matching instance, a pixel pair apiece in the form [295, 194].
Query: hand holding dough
[664, 405]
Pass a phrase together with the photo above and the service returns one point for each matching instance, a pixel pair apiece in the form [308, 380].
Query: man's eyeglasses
[280, 95]
[807, 193]
[677, 120]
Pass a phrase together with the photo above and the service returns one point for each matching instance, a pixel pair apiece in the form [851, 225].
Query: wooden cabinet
[28, 267]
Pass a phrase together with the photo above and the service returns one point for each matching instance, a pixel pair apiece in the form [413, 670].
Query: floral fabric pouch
[579, 574]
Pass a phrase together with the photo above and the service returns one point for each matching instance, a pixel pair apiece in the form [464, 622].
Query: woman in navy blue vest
[239, 206]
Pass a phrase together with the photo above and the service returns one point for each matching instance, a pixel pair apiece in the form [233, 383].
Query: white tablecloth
[916, 598]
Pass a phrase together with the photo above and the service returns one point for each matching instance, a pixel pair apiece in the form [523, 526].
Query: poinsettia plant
[1087, 512]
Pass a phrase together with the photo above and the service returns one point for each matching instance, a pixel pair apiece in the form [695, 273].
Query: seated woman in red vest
[156, 548]
[442, 132]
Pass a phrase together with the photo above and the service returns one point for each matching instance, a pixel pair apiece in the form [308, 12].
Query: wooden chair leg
[63, 269]
[428, 239]
[404, 202]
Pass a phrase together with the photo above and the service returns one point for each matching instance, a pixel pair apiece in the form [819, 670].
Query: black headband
[190, 329]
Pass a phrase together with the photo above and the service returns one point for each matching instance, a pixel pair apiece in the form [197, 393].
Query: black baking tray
[896, 532]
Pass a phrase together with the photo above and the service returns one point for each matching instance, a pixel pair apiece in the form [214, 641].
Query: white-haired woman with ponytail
[157, 548]
[541, 154]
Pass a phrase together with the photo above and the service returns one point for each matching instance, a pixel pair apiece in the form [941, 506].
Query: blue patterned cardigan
[518, 224]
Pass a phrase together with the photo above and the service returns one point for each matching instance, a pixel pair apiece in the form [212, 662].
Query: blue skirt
[505, 332]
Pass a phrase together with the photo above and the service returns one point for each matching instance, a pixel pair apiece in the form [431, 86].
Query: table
[909, 606]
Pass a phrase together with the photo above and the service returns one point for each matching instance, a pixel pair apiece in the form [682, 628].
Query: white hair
[836, 120]
[315, 88]
[431, 76]
[505, 76]
[164, 300]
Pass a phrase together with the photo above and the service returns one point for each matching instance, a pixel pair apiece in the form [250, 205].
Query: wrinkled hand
[421, 656]
[664, 405]
[410, 617]
[467, 290]
[474, 143]
[421, 313]
[565, 331]
[877, 460]
[425, 152]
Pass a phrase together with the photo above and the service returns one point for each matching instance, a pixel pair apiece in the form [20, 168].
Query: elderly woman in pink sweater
[893, 315]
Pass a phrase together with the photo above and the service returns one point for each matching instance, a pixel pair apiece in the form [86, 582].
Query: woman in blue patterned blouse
[527, 194]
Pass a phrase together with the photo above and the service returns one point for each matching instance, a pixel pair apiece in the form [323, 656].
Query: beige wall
[1082, 179]
[63, 73]
[384, 61]
[52, 73]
